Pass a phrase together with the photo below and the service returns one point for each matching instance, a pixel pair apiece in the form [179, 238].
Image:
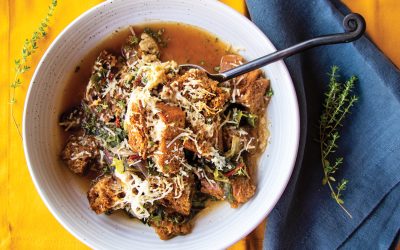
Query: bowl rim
[223, 7]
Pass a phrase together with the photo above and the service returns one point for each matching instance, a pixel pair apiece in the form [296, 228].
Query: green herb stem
[21, 64]
[337, 106]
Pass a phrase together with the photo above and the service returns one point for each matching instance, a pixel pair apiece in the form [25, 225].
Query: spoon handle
[353, 23]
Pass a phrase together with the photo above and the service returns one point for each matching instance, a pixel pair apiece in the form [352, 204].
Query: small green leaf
[270, 92]
[119, 165]
[251, 119]
[218, 176]
[228, 192]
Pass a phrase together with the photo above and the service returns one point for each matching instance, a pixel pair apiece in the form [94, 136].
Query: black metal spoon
[353, 23]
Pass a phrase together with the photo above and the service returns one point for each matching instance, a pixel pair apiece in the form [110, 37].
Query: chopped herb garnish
[157, 35]
[251, 119]
[238, 115]
[121, 104]
[242, 172]
[228, 192]
[112, 139]
[133, 40]
[119, 165]
[218, 176]
[99, 108]
[270, 92]
[95, 78]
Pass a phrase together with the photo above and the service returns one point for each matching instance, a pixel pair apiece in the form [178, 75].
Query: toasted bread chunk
[197, 88]
[201, 98]
[250, 88]
[169, 156]
[147, 45]
[105, 194]
[212, 188]
[189, 145]
[99, 97]
[181, 204]
[230, 61]
[244, 134]
[137, 130]
[167, 229]
[202, 151]
[214, 96]
[80, 153]
[103, 66]
[170, 153]
[242, 189]
[252, 96]
[171, 115]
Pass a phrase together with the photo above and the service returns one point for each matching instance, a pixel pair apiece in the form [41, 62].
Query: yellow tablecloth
[25, 222]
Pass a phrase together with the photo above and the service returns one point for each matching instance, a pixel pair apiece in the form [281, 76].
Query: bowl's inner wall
[63, 192]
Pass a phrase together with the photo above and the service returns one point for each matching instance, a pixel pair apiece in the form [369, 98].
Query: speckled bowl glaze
[217, 227]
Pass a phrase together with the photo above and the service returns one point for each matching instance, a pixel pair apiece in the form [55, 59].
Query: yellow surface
[25, 221]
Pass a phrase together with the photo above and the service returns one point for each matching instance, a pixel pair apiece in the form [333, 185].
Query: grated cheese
[79, 155]
[139, 192]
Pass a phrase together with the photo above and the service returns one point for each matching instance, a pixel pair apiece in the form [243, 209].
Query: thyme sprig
[29, 48]
[337, 104]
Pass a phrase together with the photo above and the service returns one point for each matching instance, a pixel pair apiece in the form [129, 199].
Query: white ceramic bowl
[61, 191]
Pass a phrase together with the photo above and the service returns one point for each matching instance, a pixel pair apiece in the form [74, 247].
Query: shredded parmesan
[139, 192]
[183, 134]
[79, 155]
[247, 147]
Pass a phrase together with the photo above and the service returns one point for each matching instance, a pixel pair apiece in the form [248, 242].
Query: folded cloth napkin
[306, 217]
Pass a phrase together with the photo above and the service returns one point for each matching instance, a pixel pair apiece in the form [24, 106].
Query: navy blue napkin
[306, 217]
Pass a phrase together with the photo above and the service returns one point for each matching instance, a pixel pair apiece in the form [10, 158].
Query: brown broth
[185, 44]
